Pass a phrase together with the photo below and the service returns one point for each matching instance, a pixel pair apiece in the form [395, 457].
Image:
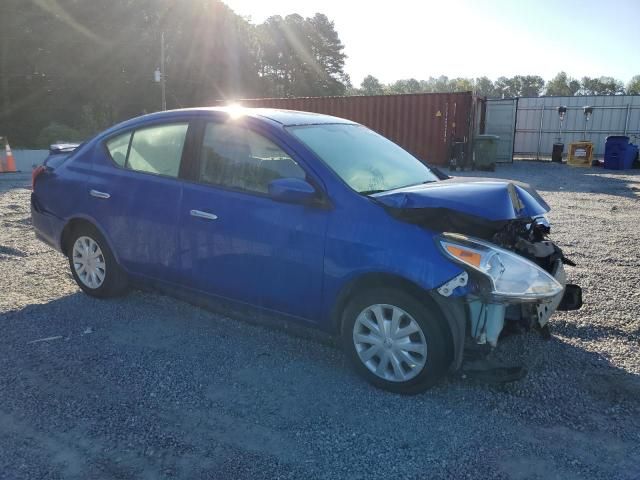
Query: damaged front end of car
[513, 276]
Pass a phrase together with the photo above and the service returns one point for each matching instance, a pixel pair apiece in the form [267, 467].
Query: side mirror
[292, 190]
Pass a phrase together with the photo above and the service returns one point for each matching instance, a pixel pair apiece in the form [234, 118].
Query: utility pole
[159, 75]
[163, 77]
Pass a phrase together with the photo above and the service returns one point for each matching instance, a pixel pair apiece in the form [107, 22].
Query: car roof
[281, 116]
[295, 117]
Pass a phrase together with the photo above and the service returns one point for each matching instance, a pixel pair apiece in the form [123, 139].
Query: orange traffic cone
[10, 162]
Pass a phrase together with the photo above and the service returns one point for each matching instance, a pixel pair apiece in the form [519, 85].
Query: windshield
[366, 161]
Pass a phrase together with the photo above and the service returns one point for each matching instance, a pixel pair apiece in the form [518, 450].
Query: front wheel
[93, 265]
[395, 341]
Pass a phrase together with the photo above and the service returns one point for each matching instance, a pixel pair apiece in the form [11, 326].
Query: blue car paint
[51, 210]
[263, 252]
[292, 258]
[490, 199]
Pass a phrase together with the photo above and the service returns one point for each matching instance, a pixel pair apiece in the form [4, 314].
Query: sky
[467, 38]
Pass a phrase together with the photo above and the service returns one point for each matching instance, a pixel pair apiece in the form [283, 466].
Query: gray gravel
[150, 387]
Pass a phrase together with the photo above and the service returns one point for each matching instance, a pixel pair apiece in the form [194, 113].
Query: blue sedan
[311, 217]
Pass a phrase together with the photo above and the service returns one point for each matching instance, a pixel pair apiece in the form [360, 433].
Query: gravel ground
[150, 387]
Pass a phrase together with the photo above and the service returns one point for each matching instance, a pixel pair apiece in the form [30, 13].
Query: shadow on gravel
[588, 332]
[10, 252]
[568, 374]
[148, 320]
[146, 386]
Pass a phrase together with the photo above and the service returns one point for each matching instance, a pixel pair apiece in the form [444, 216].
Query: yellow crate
[580, 154]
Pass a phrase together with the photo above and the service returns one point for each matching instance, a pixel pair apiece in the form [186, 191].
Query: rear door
[236, 241]
[134, 194]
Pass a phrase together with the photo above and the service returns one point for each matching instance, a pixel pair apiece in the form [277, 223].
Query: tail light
[34, 174]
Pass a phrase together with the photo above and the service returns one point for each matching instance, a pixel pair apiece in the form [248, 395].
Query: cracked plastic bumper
[487, 319]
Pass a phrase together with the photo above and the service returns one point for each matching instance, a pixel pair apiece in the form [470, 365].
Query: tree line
[70, 68]
[503, 87]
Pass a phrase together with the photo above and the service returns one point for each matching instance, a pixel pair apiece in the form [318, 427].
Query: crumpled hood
[490, 198]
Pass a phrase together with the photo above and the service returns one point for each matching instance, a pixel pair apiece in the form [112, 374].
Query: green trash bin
[485, 149]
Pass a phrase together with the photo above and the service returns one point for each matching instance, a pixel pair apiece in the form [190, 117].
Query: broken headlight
[511, 276]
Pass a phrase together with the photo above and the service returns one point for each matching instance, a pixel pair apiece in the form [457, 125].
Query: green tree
[519, 86]
[530, 85]
[301, 57]
[562, 86]
[371, 86]
[56, 132]
[90, 63]
[601, 86]
[410, 85]
[426, 86]
[460, 85]
[633, 87]
[485, 87]
[66, 60]
[507, 87]
[328, 51]
[438, 84]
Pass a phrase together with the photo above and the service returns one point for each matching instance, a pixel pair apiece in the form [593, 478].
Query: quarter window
[118, 147]
[236, 157]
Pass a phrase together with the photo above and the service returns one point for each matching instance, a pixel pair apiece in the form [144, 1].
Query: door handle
[97, 194]
[205, 215]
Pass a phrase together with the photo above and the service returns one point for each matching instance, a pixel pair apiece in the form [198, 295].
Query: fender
[89, 219]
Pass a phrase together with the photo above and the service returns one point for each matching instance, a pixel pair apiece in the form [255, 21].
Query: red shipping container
[425, 124]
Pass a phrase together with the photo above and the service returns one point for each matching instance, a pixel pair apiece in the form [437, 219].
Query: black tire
[439, 348]
[115, 281]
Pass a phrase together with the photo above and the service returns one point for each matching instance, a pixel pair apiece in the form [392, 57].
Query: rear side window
[236, 157]
[155, 149]
[158, 149]
[118, 147]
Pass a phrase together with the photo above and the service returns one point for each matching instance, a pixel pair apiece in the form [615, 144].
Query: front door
[236, 241]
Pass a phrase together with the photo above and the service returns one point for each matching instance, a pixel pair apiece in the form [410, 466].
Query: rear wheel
[395, 341]
[93, 265]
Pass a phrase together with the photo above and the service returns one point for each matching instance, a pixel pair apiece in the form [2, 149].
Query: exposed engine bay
[489, 318]
[529, 238]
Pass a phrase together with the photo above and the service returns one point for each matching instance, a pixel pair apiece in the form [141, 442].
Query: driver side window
[236, 157]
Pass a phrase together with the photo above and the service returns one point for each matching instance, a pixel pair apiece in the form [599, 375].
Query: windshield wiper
[416, 184]
[371, 192]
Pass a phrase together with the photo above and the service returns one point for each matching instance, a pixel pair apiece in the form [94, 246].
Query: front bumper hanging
[487, 319]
